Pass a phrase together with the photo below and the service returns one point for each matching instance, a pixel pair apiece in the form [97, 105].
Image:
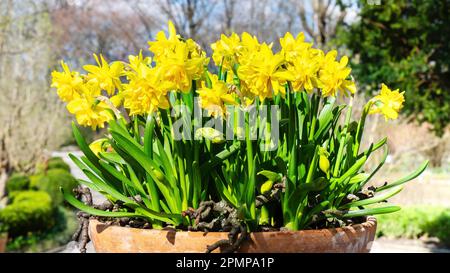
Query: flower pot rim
[371, 221]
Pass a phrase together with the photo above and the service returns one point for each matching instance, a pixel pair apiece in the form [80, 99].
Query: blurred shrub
[3, 228]
[29, 211]
[60, 234]
[440, 227]
[389, 51]
[57, 163]
[415, 222]
[17, 182]
[52, 163]
[52, 180]
[34, 180]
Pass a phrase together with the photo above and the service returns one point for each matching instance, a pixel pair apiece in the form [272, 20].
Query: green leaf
[168, 164]
[78, 162]
[371, 211]
[376, 199]
[374, 147]
[119, 175]
[112, 157]
[272, 176]
[91, 157]
[138, 155]
[407, 178]
[353, 169]
[301, 191]
[88, 184]
[106, 188]
[312, 166]
[148, 135]
[325, 118]
[119, 127]
[223, 190]
[81, 206]
[359, 178]
[320, 207]
[317, 185]
[159, 215]
[218, 158]
[84, 147]
[383, 160]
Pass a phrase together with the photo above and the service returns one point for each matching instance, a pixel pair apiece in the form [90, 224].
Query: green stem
[148, 135]
[136, 129]
[196, 175]
[360, 129]
[251, 169]
[181, 170]
[314, 110]
[342, 140]
[292, 137]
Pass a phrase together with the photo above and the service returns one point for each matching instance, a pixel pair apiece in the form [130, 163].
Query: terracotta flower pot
[357, 238]
[3, 241]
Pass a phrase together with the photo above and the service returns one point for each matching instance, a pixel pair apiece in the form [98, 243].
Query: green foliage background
[415, 222]
[405, 44]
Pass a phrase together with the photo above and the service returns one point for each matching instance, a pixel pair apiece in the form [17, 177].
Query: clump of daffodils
[310, 166]
[253, 70]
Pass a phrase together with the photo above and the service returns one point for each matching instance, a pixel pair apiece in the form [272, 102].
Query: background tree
[32, 120]
[319, 19]
[405, 43]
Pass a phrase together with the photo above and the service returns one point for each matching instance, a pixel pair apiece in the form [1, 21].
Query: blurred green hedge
[58, 163]
[51, 181]
[440, 227]
[29, 211]
[52, 163]
[415, 222]
[17, 182]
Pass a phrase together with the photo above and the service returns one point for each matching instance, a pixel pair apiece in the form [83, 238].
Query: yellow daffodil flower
[178, 68]
[249, 45]
[164, 45]
[105, 75]
[333, 76]
[305, 67]
[196, 51]
[388, 102]
[67, 83]
[262, 73]
[100, 146]
[117, 99]
[214, 99]
[180, 62]
[291, 48]
[88, 110]
[135, 62]
[226, 50]
[145, 92]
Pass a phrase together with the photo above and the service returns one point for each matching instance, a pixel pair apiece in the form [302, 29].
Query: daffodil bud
[266, 186]
[159, 175]
[324, 163]
[290, 226]
[210, 133]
